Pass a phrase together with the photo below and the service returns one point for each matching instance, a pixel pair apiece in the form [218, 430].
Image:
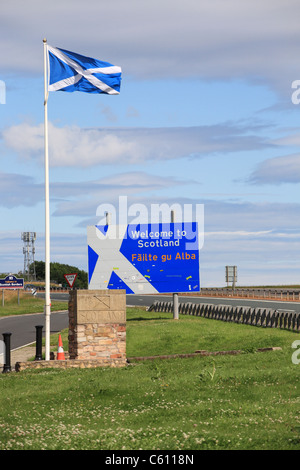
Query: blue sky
[205, 116]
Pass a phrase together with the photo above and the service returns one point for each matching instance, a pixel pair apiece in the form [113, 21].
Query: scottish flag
[68, 71]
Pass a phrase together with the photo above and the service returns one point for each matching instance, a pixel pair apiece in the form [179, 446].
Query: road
[147, 300]
[23, 329]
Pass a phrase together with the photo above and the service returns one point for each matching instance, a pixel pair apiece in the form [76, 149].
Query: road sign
[11, 282]
[70, 278]
[231, 273]
[148, 258]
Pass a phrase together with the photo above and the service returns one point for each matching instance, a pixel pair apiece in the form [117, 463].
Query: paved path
[22, 355]
[23, 332]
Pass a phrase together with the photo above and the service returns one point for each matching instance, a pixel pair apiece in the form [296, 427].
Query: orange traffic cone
[60, 351]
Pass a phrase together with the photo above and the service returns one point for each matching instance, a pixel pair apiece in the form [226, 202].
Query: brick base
[97, 325]
[70, 364]
[95, 341]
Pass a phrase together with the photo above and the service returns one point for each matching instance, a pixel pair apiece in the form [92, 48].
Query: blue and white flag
[68, 71]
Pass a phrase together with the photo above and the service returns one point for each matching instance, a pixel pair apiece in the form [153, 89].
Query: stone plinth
[97, 325]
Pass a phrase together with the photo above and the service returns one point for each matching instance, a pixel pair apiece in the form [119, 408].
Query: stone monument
[97, 326]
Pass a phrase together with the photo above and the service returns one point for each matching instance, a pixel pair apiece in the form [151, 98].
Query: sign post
[11, 282]
[175, 295]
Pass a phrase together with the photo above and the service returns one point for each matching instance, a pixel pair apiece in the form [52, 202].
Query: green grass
[249, 401]
[28, 304]
[166, 336]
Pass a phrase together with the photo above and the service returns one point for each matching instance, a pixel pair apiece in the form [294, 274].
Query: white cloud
[25, 138]
[70, 145]
[80, 198]
[277, 170]
[74, 146]
[209, 39]
[89, 195]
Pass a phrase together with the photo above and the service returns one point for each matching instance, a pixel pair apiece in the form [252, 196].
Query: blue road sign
[11, 282]
[148, 258]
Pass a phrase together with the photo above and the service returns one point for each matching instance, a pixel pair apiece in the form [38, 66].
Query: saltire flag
[69, 71]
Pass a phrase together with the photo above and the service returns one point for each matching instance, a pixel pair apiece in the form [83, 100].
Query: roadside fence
[255, 293]
[263, 317]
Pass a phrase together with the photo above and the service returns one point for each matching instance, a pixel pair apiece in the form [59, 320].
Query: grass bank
[28, 304]
[249, 401]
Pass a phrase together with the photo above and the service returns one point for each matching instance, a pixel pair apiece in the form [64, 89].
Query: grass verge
[28, 304]
[250, 401]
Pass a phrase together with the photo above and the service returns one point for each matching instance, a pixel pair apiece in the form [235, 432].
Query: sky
[208, 114]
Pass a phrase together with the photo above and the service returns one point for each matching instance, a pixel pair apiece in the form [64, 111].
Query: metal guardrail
[255, 293]
[248, 293]
[263, 317]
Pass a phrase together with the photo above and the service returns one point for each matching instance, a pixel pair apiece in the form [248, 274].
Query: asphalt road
[147, 300]
[23, 328]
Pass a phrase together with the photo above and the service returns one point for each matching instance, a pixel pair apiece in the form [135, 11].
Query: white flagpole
[47, 216]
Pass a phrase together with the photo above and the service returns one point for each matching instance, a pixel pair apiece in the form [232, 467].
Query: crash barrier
[264, 317]
[263, 293]
[251, 293]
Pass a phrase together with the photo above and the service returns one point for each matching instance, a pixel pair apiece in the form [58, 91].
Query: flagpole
[47, 216]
